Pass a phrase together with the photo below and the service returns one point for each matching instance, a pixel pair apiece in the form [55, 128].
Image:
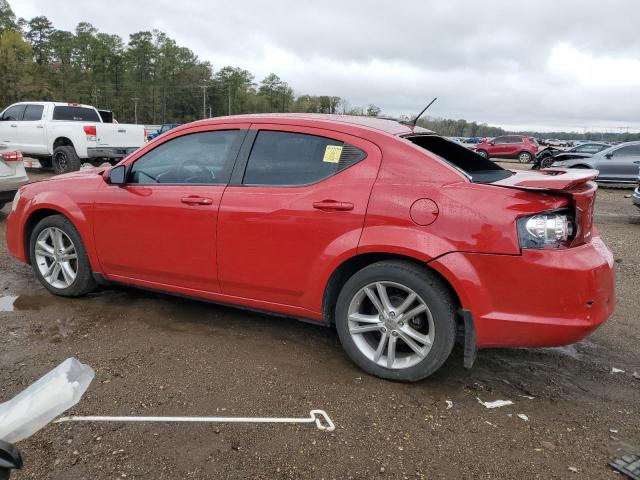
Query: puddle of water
[6, 303]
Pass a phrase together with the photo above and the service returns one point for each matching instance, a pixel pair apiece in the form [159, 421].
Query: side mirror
[492, 142]
[117, 175]
[609, 155]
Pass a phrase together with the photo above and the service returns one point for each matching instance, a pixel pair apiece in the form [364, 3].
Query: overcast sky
[568, 64]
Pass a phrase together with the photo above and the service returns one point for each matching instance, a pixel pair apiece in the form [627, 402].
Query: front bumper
[636, 197]
[110, 152]
[541, 298]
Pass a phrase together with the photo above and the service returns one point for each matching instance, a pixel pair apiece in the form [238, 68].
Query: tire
[83, 281]
[65, 159]
[546, 162]
[525, 157]
[45, 162]
[483, 153]
[436, 323]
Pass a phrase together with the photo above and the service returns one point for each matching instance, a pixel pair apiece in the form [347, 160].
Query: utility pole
[135, 109]
[204, 98]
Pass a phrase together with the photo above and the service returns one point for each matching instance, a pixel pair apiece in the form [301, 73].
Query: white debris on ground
[522, 416]
[495, 403]
[616, 370]
[449, 404]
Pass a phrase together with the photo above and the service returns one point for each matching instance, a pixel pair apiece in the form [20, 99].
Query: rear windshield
[75, 114]
[476, 167]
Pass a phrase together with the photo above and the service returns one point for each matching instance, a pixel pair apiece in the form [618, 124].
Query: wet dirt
[155, 354]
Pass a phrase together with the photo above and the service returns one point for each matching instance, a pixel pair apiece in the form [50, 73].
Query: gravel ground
[159, 355]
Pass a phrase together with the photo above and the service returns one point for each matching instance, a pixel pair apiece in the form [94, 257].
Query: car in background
[519, 147]
[546, 156]
[636, 196]
[474, 140]
[65, 135]
[388, 232]
[12, 175]
[164, 128]
[617, 164]
[554, 142]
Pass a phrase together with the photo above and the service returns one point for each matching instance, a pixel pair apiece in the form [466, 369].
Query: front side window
[13, 113]
[291, 159]
[628, 151]
[202, 158]
[500, 140]
[33, 113]
[75, 114]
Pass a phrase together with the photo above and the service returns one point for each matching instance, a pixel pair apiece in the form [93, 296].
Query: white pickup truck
[64, 135]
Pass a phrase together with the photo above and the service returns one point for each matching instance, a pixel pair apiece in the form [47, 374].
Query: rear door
[297, 199]
[513, 146]
[160, 227]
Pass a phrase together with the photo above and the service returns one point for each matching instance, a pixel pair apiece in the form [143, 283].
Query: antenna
[412, 123]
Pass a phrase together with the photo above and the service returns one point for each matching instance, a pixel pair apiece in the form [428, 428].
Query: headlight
[545, 230]
[16, 199]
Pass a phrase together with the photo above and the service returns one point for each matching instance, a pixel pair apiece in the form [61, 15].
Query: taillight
[90, 132]
[11, 156]
[546, 230]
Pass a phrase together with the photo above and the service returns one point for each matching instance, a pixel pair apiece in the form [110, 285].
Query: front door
[9, 124]
[299, 201]
[31, 131]
[620, 164]
[160, 227]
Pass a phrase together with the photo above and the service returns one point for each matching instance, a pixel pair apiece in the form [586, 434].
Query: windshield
[476, 167]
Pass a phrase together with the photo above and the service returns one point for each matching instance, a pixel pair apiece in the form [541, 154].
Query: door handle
[39, 126]
[13, 125]
[194, 200]
[637, 162]
[332, 205]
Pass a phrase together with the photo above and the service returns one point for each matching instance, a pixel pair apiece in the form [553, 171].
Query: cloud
[570, 64]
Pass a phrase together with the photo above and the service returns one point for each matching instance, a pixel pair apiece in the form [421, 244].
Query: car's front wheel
[396, 320]
[59, 259]
[483, 153]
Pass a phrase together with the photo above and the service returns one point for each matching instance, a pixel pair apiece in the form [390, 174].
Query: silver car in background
[12, 175]
[617, 164]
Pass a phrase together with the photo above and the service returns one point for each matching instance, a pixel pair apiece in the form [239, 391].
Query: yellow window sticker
[332, 153]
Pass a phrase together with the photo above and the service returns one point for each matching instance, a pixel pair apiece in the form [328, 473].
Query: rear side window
[290, 159]
[75, 114]
[13, 113]
[33, 113]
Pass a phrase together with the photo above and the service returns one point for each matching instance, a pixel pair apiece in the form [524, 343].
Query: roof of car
[390, 126]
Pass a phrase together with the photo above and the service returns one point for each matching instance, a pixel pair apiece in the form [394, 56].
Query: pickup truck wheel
[59, 259]
[65, 159]
[396, 320]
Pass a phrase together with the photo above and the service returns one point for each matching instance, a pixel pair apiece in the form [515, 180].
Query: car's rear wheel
[525, 157]
[483, 153]
[59, 259]
[396, 320]
[65, 159]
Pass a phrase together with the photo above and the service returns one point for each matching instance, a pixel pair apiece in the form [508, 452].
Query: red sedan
[403, 240]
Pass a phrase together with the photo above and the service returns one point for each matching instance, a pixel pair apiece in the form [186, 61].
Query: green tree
[7, 17]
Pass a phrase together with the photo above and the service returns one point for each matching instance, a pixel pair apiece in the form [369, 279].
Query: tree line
[151, 79]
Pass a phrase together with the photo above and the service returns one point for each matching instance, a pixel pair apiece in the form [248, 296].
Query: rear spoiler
[577, 184]
[556, 179]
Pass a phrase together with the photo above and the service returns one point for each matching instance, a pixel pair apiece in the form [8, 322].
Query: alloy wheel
[56, 257]
[61, 161]
[524, 157]
[391, 325]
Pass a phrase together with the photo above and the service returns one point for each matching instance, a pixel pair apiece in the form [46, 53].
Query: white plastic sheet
[39, 404]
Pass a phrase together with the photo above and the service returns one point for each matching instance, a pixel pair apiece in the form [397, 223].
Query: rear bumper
[110, 152]
[541, 298]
